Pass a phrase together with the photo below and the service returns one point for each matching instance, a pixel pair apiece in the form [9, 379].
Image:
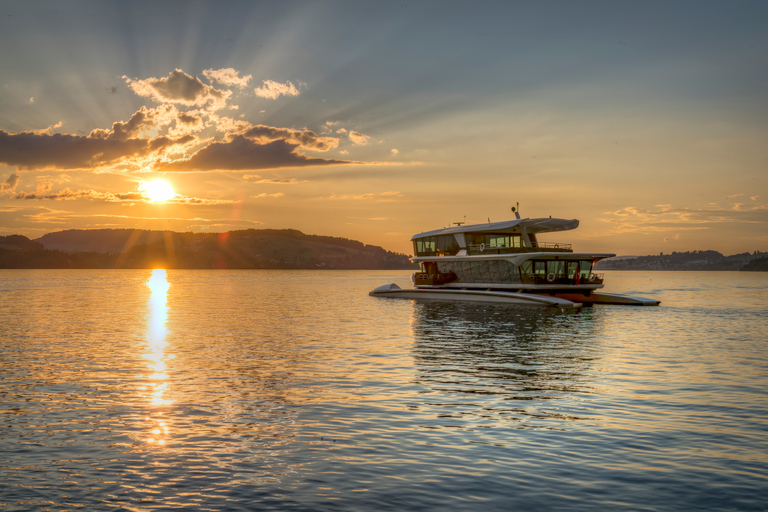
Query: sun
[157, 190]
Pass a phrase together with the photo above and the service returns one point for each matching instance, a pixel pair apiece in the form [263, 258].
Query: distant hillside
[693, 260]
[127, 248]
[757, 265]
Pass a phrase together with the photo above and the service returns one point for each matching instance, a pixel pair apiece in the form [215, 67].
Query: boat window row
[443, 245]
[494, 241]
[560, 268]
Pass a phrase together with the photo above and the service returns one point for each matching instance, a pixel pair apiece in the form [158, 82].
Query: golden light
[157, 190]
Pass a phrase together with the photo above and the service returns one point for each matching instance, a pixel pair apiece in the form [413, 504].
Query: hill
[691, 260]
[128, 248]
[757, 265]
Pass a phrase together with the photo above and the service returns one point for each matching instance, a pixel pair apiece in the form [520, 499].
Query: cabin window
[494, 241]
[556, 267]
[585, 267]
[444, 245]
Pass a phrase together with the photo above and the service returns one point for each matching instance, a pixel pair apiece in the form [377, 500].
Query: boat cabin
[515, 236]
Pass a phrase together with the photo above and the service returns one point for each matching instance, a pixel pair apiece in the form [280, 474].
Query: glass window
[556, 267]
[436, 246]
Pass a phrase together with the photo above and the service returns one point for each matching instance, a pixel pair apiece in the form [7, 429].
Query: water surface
[295, 390]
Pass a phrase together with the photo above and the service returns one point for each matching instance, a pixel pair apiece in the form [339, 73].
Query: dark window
[444, 245]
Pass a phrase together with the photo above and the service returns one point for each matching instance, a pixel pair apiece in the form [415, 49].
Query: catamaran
[506, 262]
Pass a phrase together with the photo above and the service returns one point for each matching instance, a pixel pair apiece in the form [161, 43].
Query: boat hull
[451, 294]
[608, 298]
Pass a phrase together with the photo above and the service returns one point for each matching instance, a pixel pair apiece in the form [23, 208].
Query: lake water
[294, 390]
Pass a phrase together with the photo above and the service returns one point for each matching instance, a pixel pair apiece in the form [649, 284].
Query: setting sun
[157, 190]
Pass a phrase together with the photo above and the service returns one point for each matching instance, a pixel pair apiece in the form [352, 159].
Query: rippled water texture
[259, 390]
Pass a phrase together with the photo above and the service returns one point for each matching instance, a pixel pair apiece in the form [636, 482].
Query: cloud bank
[184, 132]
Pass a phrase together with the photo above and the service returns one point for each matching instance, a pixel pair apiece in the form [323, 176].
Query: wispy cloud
[307, 139]
[273, 90]
[669, 219]
[67, 194]
[255, 178]
[390, 195]
[227, 76]
[9, 185]
[358, 138]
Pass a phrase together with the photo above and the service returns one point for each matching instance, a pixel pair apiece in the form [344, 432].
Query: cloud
[227, 76]
[9, 185]
[31, 100]
[672, 237]
[241, 154]
[110, 197]
[28, 150]
[394, 152]
[49, 129]
[273, 90]
[255, 178]
[666, 218]
[262, 195]
[307, 139]
[141, 121]
[179, 87]
[69, 195]
[381, 196]
[358, 138]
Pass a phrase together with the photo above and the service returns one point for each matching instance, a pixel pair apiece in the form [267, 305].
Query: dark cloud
[9, 185]
[185, 118]
[28, 150]
[142, 120]
[305, 138]
[121, 197]
[163, 142]
[242, 153]
[69, 194]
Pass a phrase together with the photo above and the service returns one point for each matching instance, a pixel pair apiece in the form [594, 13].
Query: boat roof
[507, 226]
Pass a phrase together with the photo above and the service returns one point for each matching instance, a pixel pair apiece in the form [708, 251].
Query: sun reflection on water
[157, 331]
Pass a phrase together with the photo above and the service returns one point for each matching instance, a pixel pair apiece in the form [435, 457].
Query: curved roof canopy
[508, 226]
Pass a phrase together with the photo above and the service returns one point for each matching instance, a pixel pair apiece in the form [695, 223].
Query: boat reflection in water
[157, 387]
[525, 365]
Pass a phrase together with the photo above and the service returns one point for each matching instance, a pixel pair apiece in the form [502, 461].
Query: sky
[647, 121]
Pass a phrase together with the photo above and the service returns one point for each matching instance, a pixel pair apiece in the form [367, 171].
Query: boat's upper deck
[512, 236]
[508, 226]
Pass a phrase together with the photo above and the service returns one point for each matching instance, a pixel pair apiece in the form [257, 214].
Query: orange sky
[645, 121]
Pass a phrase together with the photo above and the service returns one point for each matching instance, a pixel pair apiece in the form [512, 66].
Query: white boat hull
[453, 294]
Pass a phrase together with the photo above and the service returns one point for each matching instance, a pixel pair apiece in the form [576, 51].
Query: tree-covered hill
[126, 248]
[691, 260]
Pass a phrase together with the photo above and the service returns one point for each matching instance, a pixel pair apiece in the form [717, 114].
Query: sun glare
[157, 190]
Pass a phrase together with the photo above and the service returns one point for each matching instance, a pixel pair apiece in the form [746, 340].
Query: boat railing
[561, 278]
[475, 249]
[553, 245]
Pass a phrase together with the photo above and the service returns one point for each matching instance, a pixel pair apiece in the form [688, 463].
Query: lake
[150, 390]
